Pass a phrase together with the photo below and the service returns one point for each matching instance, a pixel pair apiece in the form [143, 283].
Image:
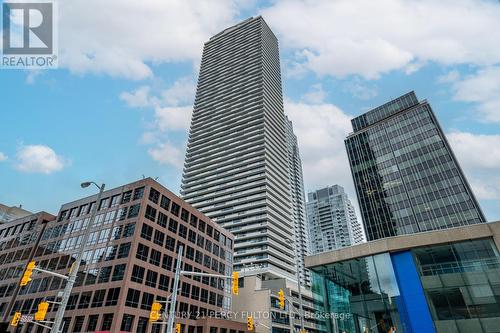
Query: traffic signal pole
[171, 314]
[56, 328]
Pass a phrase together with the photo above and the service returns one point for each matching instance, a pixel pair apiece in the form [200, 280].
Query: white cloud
[321, 130]
[315, 95]
[450, 77]
[369, 38]
[138, 98]
[181, 92]
[173, 118]
[172, 113]
[168, 154]
[3, 157]
[479, 155]
[39, 159]
[121, 38]
[360, 90]
[483, 89]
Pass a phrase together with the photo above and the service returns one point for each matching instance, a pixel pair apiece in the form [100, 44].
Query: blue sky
[118, 107]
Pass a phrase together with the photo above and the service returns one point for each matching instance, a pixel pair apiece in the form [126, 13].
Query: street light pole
[171, 314]
[56, 327]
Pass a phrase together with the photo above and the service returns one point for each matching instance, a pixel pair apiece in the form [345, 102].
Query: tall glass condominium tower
[332, 220]
[406, 176]
[236, 169]
[301, 232]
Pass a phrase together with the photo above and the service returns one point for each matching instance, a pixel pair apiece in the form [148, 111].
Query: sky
[119, 105]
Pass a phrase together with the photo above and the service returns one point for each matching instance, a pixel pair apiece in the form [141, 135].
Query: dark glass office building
[406, 177]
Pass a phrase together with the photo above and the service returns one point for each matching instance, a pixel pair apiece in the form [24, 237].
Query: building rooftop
[405, 242]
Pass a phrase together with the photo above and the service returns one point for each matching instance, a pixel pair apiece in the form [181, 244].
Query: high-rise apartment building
[332, 220]
[301, 232]
[236, 169]
[406, 176]
[128, 263]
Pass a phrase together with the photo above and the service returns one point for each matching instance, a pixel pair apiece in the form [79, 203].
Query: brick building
[128, 263]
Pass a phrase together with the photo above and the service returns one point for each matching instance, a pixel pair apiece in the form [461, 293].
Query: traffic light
[281, 297]
[177, 328]
[235, 283]
[15, 319]
[250, 324]
[154, 315]
[43, 307]
[27, 273]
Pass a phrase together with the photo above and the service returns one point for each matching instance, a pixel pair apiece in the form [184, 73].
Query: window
[172, 225]
[159, 238]
[155, 257]
[126, 196]
[189, 253]
[104, 274]
[167, 262]
[71, 305]
[133, 210]
[138, 193]
[154, 195]
[200, 241]
[185, 289]
[137, 274]
[150, 213]
[151, 278]
[98, 298]
[104, 203]
[85, 300]
[92, 323]
[182, 231]
[118, 272]
[142, 252]
[128, 230]
[192, 236]
[210, 230]
[195, 292]
[107, 320]
[193, 221]
[217, 235]
[142, 325]
[164, 282]
[147, 300]
[132, 298]
[124, 250]
[199, 257]
[115, 201]
[162, 220]
[175, 208]
[208, 246]
[201, 226]
[127, 323]
[184, 215]
[170, 243]
[165, 202]
[77, 327]
[146, 232]
[113, 295]
[206, 261]
[122, 213]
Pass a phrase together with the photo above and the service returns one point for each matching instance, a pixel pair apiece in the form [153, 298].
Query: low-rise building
[128, 263]
[258, 298]
[438, 281]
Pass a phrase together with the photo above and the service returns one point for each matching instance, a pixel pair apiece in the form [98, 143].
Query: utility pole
[171, 314]
[56, 328]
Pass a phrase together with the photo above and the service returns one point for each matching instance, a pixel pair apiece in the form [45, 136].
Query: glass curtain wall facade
[441, 288]
[236, 169]
[406, 177]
